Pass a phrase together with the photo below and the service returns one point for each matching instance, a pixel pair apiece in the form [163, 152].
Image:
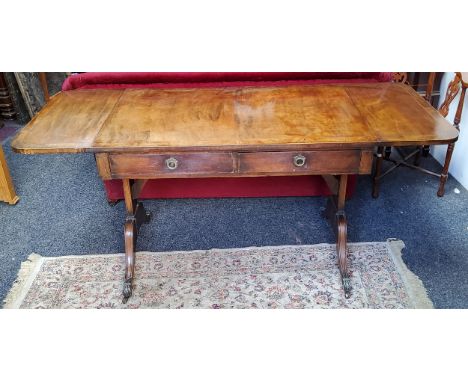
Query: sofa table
[141, 134]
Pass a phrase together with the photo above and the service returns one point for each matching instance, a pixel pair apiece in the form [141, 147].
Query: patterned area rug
[263, 277]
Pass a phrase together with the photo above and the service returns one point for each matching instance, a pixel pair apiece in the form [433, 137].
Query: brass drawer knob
[171, 163]
[299, 160]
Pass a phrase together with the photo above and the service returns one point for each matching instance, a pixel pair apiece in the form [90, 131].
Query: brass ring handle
[299, 160]
[172, 163]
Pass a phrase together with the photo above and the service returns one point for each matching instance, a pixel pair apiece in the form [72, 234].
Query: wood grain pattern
[103, 166]
[232, 117]
[400, 117]
[365, 166]
[67, 124]
[452, 90]
[224, 119]
[7, 190]
[336, 215]
[136, 216]
[316, 162]
[215, 164]
[154, 165]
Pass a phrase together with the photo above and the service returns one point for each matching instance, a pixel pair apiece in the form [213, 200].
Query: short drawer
[307, 162]
[170, 165]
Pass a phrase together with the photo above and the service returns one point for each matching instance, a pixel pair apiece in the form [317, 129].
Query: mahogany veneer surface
[247, 118]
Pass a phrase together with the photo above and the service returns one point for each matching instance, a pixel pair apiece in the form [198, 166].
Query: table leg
[444, 174]
[388, 152]
[136, 216]
[7, 190]
[337, 218]
[377, 172]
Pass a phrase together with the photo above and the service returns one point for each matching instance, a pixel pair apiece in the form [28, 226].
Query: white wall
[459, 164]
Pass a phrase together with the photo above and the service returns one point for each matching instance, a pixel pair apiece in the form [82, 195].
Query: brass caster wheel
[127, 291]
[375, 193]
[148, 217]
[347, 287]
[388, 152]
[425, 151]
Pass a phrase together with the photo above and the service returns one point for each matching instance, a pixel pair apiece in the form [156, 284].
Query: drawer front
[170, 165]
[307, 162]
[200, 164]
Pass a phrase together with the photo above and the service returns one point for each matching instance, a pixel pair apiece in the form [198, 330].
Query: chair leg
[425, 151]
[444, 174]
[377, 172]
[388, 152]
[417, 157]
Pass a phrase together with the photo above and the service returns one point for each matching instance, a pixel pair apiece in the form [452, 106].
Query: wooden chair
[383, 153]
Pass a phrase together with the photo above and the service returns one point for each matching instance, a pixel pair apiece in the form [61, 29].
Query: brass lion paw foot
[347, 286]
[127, 291]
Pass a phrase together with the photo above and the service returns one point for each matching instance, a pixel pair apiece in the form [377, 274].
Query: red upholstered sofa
[220, 187]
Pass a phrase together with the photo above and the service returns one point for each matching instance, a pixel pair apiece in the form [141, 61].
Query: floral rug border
[32, 266]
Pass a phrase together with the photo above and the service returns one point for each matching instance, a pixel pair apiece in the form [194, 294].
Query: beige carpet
[257, 277]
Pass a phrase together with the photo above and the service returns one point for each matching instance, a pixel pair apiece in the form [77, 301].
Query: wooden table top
[273, 118]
